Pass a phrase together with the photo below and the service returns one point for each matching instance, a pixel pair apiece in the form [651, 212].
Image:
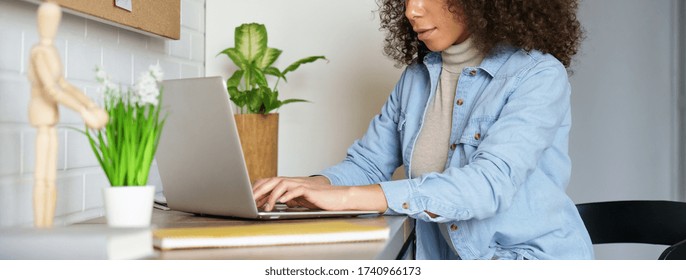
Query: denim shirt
[502, 193]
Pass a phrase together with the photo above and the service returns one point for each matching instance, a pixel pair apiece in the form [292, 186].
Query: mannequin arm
[50, 85]
[76, 93]
[92, 115]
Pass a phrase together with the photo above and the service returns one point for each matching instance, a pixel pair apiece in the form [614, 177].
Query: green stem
[276, 84]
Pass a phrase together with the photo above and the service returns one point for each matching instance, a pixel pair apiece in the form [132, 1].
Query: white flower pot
[129, 206]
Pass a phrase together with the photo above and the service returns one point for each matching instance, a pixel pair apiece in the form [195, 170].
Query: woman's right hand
[317, 193]
[267, 192]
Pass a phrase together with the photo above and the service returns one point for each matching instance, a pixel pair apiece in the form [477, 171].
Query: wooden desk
[401, 228]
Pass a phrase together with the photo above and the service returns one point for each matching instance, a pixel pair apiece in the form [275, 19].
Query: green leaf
[248, 77]
[268, 58]
[238, 97]
[248, 87]
[268, 99]
[235, 79]
[238, 58]
[259, 77]
[233, 92]
[94, 146]
[273, 71]
[254, 101]
[297, 64]
[251, 40]
[293, 101]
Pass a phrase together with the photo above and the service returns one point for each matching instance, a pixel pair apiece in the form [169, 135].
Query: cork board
[159, 17]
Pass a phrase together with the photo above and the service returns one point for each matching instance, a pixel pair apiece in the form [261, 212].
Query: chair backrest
[649, 222]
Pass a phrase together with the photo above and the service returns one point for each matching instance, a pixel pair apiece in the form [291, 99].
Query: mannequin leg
[51, 171]
[39, 176]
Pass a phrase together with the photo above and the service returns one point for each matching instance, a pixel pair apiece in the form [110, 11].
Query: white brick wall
[82, 44]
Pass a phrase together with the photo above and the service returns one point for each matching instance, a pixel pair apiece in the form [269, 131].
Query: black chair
[648, 222]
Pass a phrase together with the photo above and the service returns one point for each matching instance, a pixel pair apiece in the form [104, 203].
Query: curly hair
[549, 26]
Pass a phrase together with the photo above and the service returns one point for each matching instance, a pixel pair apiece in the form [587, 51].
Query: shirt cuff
[402, 200]
[333, 179]
[398, 197]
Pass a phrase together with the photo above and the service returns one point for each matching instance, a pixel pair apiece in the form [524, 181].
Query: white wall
[624, 130]
[83, 44]
[345, 92]
[624, 135]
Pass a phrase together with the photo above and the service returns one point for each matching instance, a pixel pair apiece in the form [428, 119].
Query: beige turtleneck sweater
[433, 144]
[431, 150]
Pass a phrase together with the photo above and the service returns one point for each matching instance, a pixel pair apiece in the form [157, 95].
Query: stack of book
[267, 235]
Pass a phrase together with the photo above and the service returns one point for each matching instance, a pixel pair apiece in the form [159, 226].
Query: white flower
[156, 71]
[100, 74]
[146, 89]
[111, 87]
[111, 91]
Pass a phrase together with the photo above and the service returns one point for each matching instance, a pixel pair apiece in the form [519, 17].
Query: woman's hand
[316, 193]
[290, 190]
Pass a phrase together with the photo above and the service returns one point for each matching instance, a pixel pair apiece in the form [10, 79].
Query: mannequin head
[49, 16]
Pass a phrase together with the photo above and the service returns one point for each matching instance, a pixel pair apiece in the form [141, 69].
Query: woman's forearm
[369, 197]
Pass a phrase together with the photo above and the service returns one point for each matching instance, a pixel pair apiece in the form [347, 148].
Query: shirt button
[406, 205]
[477, 136]
[473, 72]
[453, 227]
[460, 102]
[453, 146]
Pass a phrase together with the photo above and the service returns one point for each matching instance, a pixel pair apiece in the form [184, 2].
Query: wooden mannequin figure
[48, 88]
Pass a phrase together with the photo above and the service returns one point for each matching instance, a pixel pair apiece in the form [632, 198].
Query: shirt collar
[491, 63]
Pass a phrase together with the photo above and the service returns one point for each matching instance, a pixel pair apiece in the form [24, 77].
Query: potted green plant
[126, 147]
[249, 89]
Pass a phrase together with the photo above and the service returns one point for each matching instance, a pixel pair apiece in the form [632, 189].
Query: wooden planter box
[259, 136]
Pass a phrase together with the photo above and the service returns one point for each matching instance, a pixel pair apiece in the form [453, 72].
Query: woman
[480, 118]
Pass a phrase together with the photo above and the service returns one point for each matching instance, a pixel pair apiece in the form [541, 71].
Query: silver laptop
[200, 159]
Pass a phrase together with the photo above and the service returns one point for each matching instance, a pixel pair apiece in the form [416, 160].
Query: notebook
[267, 234]
[200, 159]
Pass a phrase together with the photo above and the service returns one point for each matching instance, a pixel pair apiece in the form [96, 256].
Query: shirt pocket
[474, 133]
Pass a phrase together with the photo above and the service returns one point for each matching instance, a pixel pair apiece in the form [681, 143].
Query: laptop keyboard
[282, 207]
